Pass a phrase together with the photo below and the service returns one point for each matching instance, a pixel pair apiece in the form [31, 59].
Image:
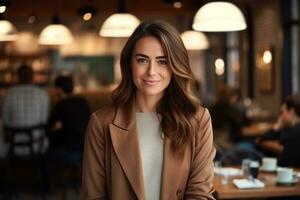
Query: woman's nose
[152, 68]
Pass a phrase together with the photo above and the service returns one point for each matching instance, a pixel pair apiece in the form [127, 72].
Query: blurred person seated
[227, 118]
[199, 92]
[26, 106]
[284, 137]
[67, 123]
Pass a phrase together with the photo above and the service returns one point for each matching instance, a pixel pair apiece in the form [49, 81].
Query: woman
[155, 141]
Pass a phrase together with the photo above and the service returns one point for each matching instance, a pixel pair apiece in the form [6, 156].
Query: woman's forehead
[149, 44]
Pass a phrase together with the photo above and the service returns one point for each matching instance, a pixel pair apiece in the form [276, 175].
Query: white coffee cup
[284, 175]
[269, 164]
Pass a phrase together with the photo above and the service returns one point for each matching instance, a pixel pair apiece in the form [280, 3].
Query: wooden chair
[24, 170]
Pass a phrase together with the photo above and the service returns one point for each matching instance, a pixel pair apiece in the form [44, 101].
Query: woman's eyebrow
[145, 56]
[141, 55]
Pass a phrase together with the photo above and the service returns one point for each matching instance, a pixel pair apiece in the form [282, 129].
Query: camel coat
[112, 167]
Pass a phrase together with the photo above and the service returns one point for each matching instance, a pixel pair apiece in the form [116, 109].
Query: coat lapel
[126, 145]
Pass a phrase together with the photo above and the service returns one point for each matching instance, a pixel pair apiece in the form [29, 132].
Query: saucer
[293, 182]
[286, 184]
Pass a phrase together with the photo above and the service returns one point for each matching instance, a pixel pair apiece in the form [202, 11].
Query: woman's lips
[151, 82]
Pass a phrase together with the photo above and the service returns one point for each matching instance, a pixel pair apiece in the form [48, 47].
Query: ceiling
[69, 8]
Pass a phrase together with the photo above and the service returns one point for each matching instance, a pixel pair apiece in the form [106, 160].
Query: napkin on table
[248, 184]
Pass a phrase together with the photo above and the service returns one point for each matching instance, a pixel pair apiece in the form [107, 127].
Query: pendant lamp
[194, 40]
[219, 17]
[55, 34]
[8, 31]
[120, 24]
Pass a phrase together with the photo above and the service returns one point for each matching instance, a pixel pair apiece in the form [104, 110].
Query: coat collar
[126, 145]
[125, 116]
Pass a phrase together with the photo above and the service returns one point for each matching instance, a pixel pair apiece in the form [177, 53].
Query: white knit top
[151, 146]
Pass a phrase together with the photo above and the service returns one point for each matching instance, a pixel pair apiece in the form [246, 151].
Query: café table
[271, 189]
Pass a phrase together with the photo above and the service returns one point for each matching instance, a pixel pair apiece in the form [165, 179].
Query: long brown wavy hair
[178, 106]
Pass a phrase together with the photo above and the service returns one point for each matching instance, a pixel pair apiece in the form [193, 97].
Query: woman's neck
[146, 103]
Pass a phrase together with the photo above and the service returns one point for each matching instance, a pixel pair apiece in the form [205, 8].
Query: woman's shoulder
[204, 127]
[202, 114]
[108, 110]
[104, 116]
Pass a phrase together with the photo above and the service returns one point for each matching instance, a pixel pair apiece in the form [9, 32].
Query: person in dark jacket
[68, 121]
[286, 132]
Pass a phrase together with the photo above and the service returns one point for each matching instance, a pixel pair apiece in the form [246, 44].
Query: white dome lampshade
[55, 34]
[194, 40]
[119, 25]
[219, 17]
[7, 31]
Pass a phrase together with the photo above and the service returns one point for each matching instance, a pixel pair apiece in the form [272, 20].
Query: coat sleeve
[199, 185]
[93, 175]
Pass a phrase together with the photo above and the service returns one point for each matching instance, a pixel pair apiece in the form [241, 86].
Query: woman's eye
[142, 60]
[162, 62]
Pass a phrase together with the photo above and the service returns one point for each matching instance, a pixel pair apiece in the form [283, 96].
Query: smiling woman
[155, 141]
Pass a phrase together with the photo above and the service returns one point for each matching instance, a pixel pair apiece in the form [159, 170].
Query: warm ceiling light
[87, 12]
[2, 9]
[267, 57]
[55, 34]
[87, 16]
[7, 31]
[194, 40]
[31, 19]
[119, 25]
[219, 66]
[218, 17]
[4, 4]
[177, 4]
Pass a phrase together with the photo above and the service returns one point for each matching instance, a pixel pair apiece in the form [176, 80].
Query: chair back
[25, 169]
[26, 142]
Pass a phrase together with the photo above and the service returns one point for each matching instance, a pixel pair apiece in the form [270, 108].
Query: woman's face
[150, 68]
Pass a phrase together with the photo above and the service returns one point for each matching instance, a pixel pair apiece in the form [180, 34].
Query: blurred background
[271, 26]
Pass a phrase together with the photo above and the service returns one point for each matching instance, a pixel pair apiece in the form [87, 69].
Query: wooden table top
[271, 189]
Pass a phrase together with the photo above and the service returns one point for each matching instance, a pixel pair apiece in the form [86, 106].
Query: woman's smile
[151, 82]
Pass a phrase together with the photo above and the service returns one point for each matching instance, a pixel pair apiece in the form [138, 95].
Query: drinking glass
[217, 166]
[246, 167]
